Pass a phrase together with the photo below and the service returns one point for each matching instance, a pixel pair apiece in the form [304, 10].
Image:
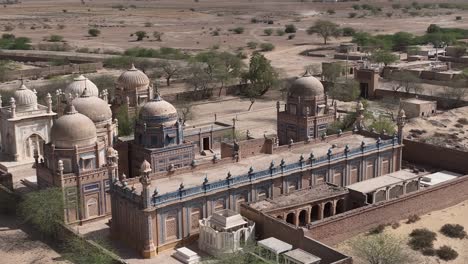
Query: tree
[433, 28]
[383, 56]
[140, 35]
[158, 35]
[260, 77]
[125, 122]
[198, 77]
[380, 249]
[401, 41]
[169, 70]
[44, 210]
[326, 29]
[291, 28]
[94, 32]
[406, 81]
[184, 109]
[348, 91]
[383, 124]
[439, 40]
[331, 71]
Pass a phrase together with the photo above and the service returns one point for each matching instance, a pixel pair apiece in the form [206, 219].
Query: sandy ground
[433, 221]
[16, 246]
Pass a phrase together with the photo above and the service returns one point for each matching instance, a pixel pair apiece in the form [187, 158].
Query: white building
[225, 232]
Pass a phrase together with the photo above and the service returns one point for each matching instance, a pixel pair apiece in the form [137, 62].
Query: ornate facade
[25, 125]
[306, 114]
[83, 166]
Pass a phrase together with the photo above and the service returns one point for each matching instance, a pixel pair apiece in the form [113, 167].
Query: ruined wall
[442, 102]
[335, 229]
[52, 71]
[444, 158]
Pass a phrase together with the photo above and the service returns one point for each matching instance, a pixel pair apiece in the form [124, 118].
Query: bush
[140, 35]
[291, 28]
[377, 230]
[162, 53]
[331, 11]
[148, 24]
[356, 7]
[352, 15]
[280, 32]
[453, 231]
[413, 219]
[463, 121]
[348, 32]
[267, 47]
[94, 32]
[252, 45]
[268, 31]
[395, 225]
[428, 252]
[458, 18]
[446, 253]
[54, 38]
[238, 30]
[10, 41]
[421, 239]
[292, 36]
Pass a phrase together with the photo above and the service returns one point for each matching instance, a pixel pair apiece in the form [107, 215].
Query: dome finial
[307, 73]
[70, 109]
[132, 68]
[85, 92]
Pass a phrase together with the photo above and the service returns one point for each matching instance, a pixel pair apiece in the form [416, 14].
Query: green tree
[325, 29]
[44, 209]
[383, 56]
[380, 249]
[268, 31]
[290, 28]
[433, 28]
[383, 123]
[81, 252]
[169, 70]
[126, 125]
[401, 41]
[94, 32]
[260, 77]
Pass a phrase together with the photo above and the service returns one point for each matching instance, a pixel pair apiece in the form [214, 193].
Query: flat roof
[439, 177]
[302, 256]
[275, 245]
[373, 184]
[190, 130]
[418, 101]
[258, 162]
[315, 193]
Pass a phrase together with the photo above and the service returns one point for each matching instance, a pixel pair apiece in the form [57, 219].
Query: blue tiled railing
[256, 175]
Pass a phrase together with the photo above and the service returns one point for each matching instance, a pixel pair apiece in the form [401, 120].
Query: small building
[438, 177]
[368, 80]
[225, 231]
[348, 47]
[208, 136]
[186, 256]
[299, 256]
[272, 249]
[415, 107]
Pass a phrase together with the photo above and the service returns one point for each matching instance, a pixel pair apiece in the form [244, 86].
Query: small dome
[78, 86]
[25, 99]
[93, 107]
[145, 167]
[306, 86]
[133, 78]
[73, 129]
[158, 111]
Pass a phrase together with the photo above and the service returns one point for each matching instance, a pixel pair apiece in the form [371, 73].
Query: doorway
[364, 90]
[206, 143]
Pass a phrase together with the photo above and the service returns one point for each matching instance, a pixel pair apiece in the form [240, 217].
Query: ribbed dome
[306, 86]
[25, 99]
[158, 111]
[78, 86]
[73, 129]
[132, 78]
[93, 107]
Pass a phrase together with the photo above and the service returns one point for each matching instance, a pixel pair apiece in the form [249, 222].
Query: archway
[380, 196]
[92, 208]
[396, 191]
[290, 218]
[315, 213]
[411, 186]
[327, 210]
[340, 206]
[303, 218]
[33, 142]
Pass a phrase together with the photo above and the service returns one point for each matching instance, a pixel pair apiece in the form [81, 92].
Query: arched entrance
[315, 213]
[92, 208]
[340, 206]
[290, 218]
[303, 218]
[328, 210]
[31, 143]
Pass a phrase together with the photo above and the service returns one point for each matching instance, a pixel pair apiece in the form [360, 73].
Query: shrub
[446, 253]
[463, 121]
[60, 26]
[94, 32]
[280, 32]
[253, 20]
[348, 32]
[331, 11]
[396, 6]
[395, 225]
[54, 38]
[292, 36]
[352, 15]
[458, 18]
[140, 35]
[268, 31]
[291, 28]
[252, 45]
[413, 219]
[267, 47]
[356, 7]
[377, 230]
[148, 24]
[428, 252]
[238, 30]
[454, 231]
[421, 239]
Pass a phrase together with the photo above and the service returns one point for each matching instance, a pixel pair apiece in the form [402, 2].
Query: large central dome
[306, 86]
[93, 107]
[158, 111]
[132, 79]
[73, 129]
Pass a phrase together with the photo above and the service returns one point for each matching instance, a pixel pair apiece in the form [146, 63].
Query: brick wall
[440, 157]
[442, 102]
[53, 71]
[340, 227]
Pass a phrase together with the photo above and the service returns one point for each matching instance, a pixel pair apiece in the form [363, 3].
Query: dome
[73, 129]
[132, 78]
[78, 86]
[158, 111]
[93, 107]
[306, 86]
[25, 99]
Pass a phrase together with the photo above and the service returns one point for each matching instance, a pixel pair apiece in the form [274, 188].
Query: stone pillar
[321, 208]
[13, 107]
[333, 209]
[49, 103]
[308, 218]
[149, 250]
[296, 218]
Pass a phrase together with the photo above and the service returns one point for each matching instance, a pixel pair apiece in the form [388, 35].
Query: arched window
[92, 208]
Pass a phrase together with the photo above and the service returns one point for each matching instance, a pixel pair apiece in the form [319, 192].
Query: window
[292, 109]
[91, 187]
[87, 162]
[154, 140]
[67, 168]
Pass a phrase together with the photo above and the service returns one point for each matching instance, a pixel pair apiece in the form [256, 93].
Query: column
[309, 211]
[333, 211]
[296, 218]
[321, 208]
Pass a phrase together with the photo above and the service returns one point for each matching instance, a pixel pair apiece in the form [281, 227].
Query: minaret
[145, 180]
[49, 103]
[13, 107]
[401, 122]
[359, 123]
